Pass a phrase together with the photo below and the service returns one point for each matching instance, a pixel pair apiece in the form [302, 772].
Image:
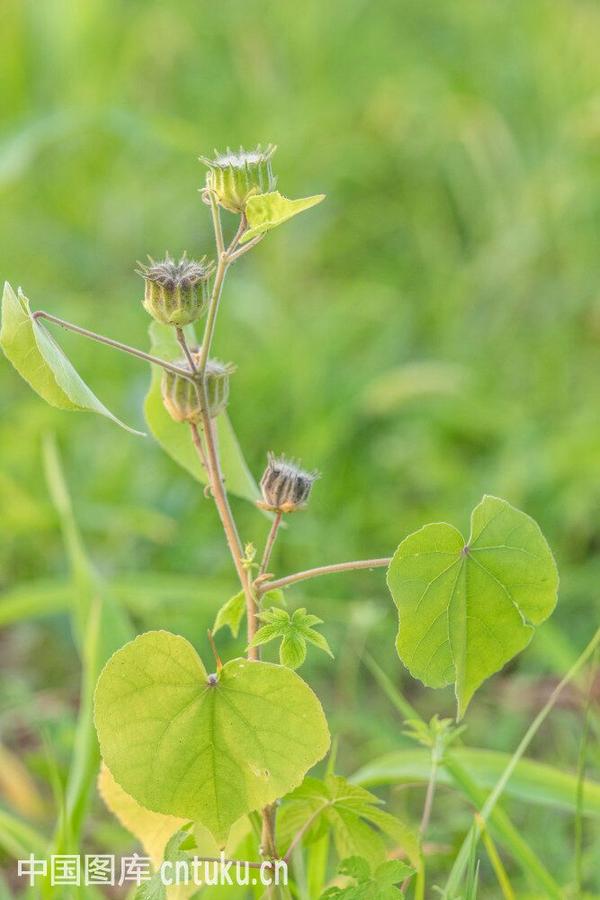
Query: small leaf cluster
[295, 631]
[370, 885]
[232, 612]
[437, 734]
[350, 814]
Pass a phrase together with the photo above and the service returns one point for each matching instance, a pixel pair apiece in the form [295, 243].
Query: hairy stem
[186, 350]
[380, 563]
[210, 456]
[216, 219]
[244, 249]
[267, 839]
[116, 345]
[213, 307]
[197, 439]
[270, 544]
[428, 805]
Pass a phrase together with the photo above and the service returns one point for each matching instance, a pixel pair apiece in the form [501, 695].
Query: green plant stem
[214, 470]
[209, 455]
[270, 544]
[216, 220]
[246, 247]
[197, 439]
[116, 345]
[581, 780]
[217, 487]
[215, 299]
[428, 804]
[461, 861]
[351, 566]
[186, 350]
[212, 458]
[267, 839]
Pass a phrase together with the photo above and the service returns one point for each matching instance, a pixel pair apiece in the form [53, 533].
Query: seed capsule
[182, 397]
[234, 177]
[285, 486]
[176, 293]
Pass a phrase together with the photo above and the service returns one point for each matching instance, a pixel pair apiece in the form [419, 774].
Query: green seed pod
[176, 293]
[285, 486]
[182, 397]
[234, 177]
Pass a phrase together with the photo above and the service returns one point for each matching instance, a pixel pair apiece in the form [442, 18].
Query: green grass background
[428, 334]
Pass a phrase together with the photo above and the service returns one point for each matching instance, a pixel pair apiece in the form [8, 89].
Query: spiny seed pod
[234, 177]
[176, 293]
[285, 486]
[182, 397]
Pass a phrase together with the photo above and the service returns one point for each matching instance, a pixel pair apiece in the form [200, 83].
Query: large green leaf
[39, 360]
[267, 211]
[204, 748]
[466, 607]
[174, 437]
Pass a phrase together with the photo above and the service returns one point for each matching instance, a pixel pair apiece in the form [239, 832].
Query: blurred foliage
[429, 333]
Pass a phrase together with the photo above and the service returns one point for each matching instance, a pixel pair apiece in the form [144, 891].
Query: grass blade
[461, 861]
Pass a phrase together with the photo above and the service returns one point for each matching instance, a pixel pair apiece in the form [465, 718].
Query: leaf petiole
[116, 345]
[350, 566]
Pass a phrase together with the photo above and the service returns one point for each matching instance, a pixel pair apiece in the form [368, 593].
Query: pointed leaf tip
[266, 211]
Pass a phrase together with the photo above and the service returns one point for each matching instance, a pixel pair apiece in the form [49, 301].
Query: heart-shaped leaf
[267, 211]
[39, 360]
[466, 607]
[200, 747]
[174, 437]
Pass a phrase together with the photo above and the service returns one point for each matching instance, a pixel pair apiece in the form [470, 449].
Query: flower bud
[285, 486]
[182, 396]
[176, 293]
[234, 177]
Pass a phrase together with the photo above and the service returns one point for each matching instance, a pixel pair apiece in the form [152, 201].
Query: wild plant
[203, 756]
